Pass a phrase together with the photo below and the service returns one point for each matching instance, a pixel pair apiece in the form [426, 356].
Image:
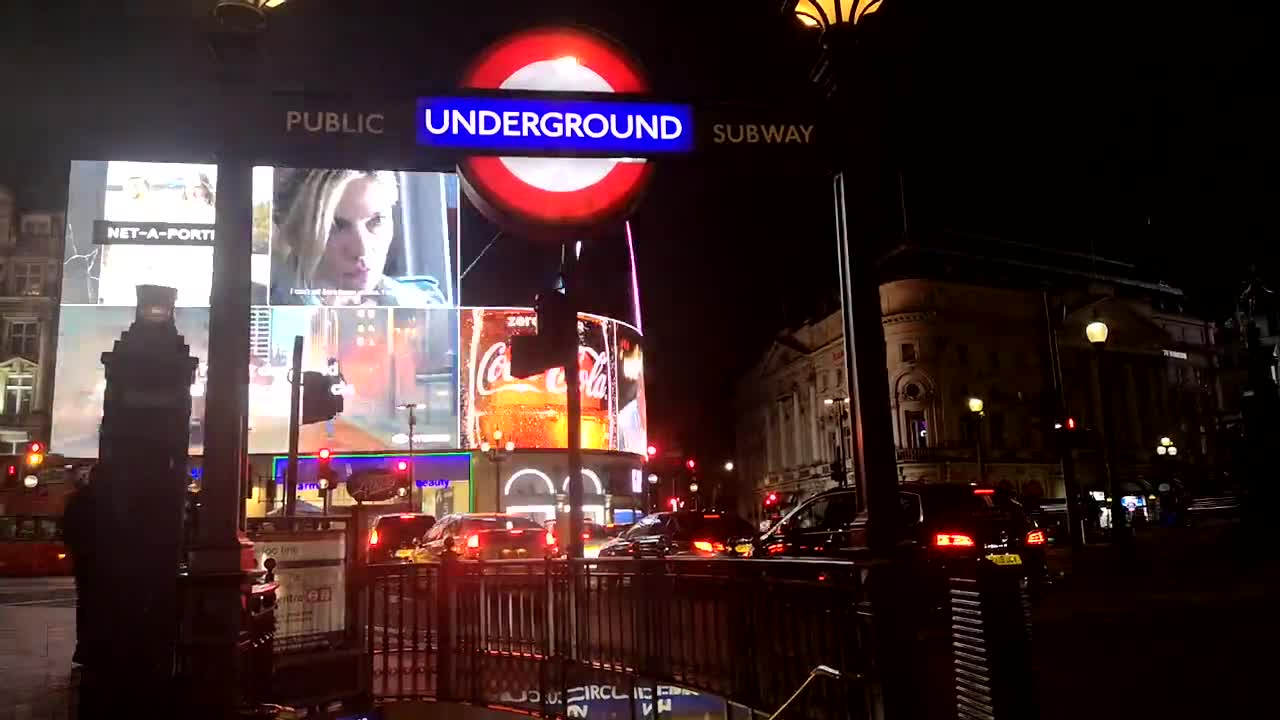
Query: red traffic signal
[691, 463]
[771, 499]
[324, 454]
[652, 450]
[402, 465]
[1071, 423]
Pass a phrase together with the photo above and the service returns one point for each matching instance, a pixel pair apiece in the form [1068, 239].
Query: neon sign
[578, 127]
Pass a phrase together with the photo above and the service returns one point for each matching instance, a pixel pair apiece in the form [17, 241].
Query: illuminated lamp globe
[1166, 441]
[728, 466]
[1097, 332]
[1173, 451]
[511, 445]
[484, 446]
[30, 481]
[693, 487]
[976, 405]
[1162, 450]
[653, 479]
[825, 14]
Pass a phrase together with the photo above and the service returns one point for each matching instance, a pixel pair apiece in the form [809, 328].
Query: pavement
[1178, 627]
[37, 638]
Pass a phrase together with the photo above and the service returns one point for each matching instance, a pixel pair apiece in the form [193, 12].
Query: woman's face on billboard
[360, 237]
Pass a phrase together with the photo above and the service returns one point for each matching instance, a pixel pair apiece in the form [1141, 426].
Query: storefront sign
[534, 126]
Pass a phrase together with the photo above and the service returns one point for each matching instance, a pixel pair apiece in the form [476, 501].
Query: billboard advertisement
[532, 412]
[363, 265]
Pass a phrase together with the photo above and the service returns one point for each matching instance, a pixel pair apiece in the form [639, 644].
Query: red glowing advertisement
[532, 412]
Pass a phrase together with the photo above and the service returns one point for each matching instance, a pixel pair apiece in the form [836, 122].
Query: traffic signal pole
[573, 398]
[295, 399]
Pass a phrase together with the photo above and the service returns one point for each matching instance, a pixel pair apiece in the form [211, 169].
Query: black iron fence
[544, 636]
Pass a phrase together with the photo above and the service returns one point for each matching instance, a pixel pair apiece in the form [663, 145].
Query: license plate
[1009, 559]
[744, 549]
[404, 553]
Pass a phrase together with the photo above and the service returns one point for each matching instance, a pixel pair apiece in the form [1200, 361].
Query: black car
[944, 522]
[692, 533]
[393, 537]
[488, 536]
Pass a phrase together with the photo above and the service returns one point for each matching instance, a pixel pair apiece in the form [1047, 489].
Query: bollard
[991, 645]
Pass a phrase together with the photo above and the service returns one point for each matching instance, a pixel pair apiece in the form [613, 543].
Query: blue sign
[532, 126]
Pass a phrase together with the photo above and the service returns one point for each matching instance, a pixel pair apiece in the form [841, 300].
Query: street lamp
[824, 14]
[497, 452]
[1097, 333]
[976, 406]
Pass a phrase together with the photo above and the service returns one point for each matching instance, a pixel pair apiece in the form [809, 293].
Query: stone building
[984, 334]
[30, 241]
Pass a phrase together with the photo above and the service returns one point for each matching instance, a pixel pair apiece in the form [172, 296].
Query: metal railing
[542, 636]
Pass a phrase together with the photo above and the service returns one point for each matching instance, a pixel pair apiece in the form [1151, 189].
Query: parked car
[594, 536]
[689, 533]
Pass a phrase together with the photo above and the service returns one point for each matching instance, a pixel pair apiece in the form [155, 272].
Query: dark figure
[78, 533]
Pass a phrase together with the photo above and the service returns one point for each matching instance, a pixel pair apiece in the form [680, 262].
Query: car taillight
[952, 540]
[516, 531]
[1035, 537]
[551, 538]
[586, 536]
[473, 541]
[707, 546]
[373, 537]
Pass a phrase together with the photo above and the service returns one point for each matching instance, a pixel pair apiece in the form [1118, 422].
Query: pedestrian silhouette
[78, 534]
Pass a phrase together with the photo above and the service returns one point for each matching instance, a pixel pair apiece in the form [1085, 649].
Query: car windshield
[395, 528]
[482, 523]
[958, 503]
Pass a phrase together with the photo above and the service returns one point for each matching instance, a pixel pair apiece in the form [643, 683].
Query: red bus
[31, 546]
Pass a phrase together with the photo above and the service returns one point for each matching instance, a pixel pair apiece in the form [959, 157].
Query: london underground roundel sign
[555, 191]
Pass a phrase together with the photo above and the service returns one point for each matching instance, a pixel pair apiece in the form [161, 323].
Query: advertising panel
[357, 237]
[532, 411]
[632, 412]
[372, 297]
[311, 601]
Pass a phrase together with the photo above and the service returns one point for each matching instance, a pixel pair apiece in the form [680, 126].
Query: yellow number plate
[744, 549]
[404, 553]
[1005, 559]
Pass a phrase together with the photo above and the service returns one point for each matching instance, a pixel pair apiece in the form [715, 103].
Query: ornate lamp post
[975, 412]
[497, 453]
[848, 76]
[1097, 333]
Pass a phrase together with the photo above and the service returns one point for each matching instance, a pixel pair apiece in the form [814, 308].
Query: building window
[38, 226]
[995, 359]
[917, 430]
[908, 352]
[962, 354]
[17, 393]
[24, 339]
[29, 279]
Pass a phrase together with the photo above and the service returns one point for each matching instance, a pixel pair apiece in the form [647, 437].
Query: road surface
[37, 638]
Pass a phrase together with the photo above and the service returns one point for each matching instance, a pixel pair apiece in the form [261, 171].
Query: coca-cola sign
[495, 375]
[532, 411]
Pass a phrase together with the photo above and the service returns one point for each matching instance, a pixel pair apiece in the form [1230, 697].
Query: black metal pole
[1066, 456]
[295, 399]
[573, 398]
[977, 433]
[1104, 446]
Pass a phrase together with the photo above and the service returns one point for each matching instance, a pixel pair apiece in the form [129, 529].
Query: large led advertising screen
[360, 264]
[364, 267]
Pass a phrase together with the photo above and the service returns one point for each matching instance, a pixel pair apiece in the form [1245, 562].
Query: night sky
[1141, 131]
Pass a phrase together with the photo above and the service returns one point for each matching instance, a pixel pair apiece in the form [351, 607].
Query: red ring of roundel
[500, 185]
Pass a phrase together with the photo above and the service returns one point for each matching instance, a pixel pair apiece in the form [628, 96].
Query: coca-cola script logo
[495, 375]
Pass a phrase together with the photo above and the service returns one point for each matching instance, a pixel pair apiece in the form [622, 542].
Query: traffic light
[691, 463]
[838, 474]
[652, 451]
[324, 471]
[402, 478]
[11, 475]
[1071, 423]
[321, 396]
[771, 500]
